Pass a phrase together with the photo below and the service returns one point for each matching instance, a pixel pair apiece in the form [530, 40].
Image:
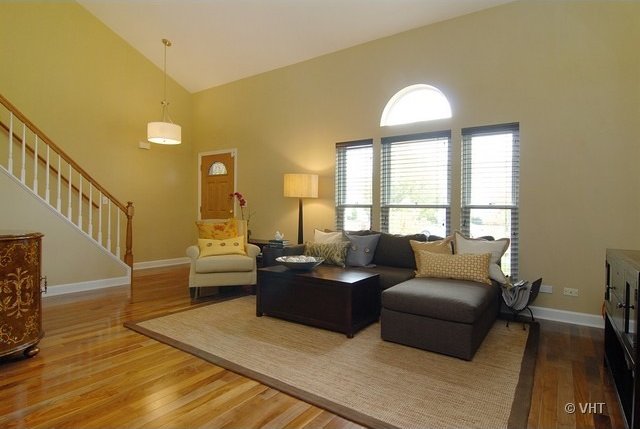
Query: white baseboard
[160, 263]
[86, 286]
[585, 319]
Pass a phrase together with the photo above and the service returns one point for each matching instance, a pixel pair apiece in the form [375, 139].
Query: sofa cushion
[361, 249]
[496, 248]
[224, 264]
[327, 236]
[390, 276]
[395, 250]
[453, 300]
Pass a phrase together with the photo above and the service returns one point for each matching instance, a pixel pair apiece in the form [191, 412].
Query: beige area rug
[372, 382]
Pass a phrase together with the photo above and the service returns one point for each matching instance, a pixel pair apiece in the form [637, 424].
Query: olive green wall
[93, 94]
[568, 72]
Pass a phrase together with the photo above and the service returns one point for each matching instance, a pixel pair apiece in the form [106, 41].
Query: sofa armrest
[193, 252]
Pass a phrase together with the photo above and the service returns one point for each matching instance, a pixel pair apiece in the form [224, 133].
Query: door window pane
[217, 169]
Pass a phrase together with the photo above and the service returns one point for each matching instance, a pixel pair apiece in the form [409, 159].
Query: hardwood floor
[94, 373]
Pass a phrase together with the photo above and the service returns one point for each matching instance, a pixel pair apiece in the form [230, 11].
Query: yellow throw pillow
[230, 246]
[440, 246]
[474, 267]
[218, 231]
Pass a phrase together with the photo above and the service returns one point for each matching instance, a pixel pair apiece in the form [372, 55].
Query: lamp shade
[301, 185]
[164, 133]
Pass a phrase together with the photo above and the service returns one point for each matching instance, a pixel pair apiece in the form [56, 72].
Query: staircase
[39, 165]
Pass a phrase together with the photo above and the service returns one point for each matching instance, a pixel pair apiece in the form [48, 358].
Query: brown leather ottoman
[440, 315]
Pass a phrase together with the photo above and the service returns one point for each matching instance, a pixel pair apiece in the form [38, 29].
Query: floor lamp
[300, 186]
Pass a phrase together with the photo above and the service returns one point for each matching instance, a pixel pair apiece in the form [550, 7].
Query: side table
[261, 244]
[269, 254]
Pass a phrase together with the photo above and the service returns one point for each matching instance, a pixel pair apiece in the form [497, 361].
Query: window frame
[467, 180]
[386, 180]
[342, 149]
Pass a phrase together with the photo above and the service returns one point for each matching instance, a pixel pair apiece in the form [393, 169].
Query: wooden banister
[42, 136]
[38, 161]
[128, 255]
[18, 140]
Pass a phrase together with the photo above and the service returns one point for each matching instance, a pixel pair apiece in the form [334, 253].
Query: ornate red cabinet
[20, 300]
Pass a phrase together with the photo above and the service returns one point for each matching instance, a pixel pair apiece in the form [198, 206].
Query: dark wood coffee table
[328, 297]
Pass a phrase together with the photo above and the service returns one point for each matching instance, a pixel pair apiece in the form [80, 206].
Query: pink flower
[242, 203]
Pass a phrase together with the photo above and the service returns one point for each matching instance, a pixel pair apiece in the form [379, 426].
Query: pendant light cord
[165, 103]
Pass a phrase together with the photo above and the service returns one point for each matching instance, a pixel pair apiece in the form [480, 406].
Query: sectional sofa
[444, 315]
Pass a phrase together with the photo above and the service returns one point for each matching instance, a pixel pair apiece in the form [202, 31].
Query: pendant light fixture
[164, 132]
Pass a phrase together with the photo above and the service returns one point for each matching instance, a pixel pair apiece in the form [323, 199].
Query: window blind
[354, 185]
[490, 186]
[416, 183]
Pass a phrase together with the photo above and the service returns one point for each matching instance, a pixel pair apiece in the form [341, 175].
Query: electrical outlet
[568, 291]
[546, 289]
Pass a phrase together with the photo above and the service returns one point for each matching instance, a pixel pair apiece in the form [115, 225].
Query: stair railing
[32, 157]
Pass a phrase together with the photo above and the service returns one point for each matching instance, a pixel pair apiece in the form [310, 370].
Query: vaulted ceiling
[220, 41]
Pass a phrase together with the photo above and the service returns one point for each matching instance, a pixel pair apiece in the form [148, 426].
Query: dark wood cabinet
[620, 331]
[20, 299]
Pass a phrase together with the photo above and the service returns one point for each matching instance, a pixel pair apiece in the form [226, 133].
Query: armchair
[222, 270]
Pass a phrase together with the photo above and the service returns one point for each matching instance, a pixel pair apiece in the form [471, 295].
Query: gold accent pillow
[474, 267]
[440, 246]
[230, 246]
[218, 231]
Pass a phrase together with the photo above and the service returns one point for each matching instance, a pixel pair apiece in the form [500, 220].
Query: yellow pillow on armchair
[218, 231]
[230, 246]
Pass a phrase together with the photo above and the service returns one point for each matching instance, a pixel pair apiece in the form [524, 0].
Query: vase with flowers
[242, 202]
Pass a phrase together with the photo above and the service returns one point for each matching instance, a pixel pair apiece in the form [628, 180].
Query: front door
[217, 178]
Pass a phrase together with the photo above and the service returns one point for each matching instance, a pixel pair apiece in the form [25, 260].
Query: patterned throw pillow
[474, 267]
[230, 246]
[218, 231]
[496, 248]
[441, 246]
[333, 253]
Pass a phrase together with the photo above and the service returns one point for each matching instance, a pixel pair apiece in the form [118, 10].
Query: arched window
[416, 103]
[217, 169]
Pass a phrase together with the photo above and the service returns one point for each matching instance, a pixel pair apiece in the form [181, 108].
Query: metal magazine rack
[520, 296]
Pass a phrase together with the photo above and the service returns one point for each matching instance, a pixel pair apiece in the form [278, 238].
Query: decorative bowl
[299, 262]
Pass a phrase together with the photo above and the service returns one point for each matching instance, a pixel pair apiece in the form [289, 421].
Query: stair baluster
[43, 164]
